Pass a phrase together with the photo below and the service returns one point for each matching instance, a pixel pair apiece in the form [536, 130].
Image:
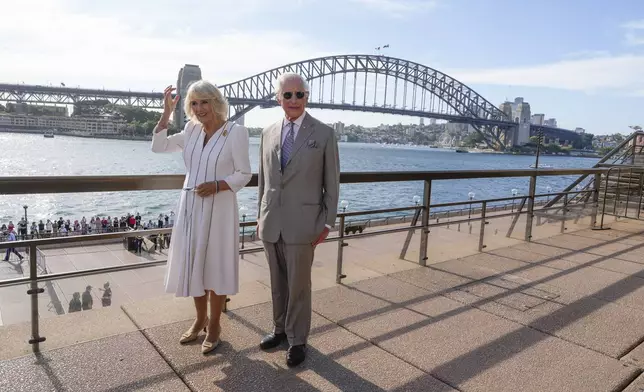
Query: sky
[579, 61]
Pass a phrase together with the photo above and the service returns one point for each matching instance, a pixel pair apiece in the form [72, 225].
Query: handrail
[83, 184]
[599, 164]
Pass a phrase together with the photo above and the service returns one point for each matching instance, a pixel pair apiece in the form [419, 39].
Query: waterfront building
[43, 110]
[96, 125]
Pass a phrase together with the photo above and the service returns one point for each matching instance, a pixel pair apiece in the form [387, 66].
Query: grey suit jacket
[299, 202]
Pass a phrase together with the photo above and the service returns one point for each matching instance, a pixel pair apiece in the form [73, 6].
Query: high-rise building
[187, 75]
[537, 119]
[422, 121]
[518, 112]
[522, 115]
[432, 121]
[507, 108]
[338, 127]
[551, 122]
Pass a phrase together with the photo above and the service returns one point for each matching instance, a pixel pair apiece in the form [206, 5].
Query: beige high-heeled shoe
[207, 346]
[190, 335]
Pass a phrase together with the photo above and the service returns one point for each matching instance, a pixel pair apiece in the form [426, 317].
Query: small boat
[461, 150]
[541, 166]
[49, 134]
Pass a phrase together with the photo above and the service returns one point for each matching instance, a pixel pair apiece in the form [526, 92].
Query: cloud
[623, 73]
[633, 39]
[633, 35]
[634, 25]
[586, 54]
[91, 48]
[398, 8]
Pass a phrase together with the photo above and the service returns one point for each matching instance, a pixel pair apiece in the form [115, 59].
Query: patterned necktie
[287, 147]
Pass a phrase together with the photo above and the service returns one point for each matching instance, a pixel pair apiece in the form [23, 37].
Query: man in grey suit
[299, 185]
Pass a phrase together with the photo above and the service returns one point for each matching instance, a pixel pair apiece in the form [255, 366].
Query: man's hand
[322, 237]
[206, 189]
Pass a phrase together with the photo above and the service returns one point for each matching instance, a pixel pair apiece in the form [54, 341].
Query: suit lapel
[307, 128]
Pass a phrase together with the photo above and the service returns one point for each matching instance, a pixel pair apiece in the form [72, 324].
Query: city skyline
[583, 68]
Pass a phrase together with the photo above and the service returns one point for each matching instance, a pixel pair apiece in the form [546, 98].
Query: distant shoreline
[148, 138]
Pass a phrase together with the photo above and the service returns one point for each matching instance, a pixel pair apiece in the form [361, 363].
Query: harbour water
[34, 155]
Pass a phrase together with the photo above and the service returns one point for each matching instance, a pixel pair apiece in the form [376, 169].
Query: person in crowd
[106, 299]
[203, 259]
[48, 227]
[297, 206]
[75, 303]
[87, 300]
[11, 236]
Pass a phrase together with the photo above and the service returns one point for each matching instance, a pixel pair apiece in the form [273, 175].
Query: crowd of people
[96, 225]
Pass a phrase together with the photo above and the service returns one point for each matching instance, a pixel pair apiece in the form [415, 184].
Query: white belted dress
[204, 251]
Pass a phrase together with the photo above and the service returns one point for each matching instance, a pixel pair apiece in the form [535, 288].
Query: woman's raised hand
[168, 102]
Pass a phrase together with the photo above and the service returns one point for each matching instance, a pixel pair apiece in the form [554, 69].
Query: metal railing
[623, 188]
[623, 154]
[39, 185]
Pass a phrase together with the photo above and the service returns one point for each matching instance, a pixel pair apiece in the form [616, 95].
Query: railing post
[601, 224]
[530, 215]
[617, 195]
[596, 186]
[339, 275]
[628, 192]
[414, 222]
[641, 189]
[36, 339]
[424, 231]
[564, 210]
[483, 223]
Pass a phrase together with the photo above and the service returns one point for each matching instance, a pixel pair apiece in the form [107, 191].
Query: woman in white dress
[203, 258]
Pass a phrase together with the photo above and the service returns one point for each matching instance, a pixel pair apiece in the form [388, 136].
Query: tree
[472, 139]
[534, 140]
[587, 140]
[604, 150]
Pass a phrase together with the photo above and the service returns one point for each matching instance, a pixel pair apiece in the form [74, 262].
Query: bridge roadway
[562, 313]
[38, 94]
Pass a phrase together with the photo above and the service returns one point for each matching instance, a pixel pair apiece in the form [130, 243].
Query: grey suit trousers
[290, 266]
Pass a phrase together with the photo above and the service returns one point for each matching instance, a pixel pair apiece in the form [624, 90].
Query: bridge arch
[462, 104]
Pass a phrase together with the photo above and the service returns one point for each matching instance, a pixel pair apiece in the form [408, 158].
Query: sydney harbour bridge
[365, 83]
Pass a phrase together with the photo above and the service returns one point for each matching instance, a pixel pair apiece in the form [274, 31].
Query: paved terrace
[563, 313]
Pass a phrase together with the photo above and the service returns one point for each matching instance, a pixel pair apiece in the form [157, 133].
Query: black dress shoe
[295, 355]
[272, 340]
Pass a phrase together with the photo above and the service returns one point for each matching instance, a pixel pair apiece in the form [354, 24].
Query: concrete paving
[561, 313]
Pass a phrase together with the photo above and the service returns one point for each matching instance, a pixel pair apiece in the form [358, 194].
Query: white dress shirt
[286, 127]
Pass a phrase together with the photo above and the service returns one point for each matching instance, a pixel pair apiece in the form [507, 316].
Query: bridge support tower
[187, 75]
